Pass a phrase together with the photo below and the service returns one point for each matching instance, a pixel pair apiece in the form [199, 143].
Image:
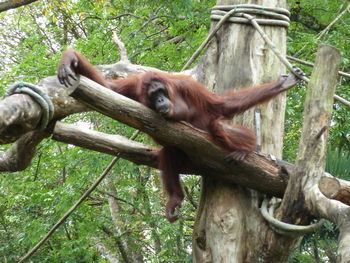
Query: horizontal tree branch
[11, 4]
[106, 143]
[255, 172]
[104, 251]
[18, 157]
[19, 113]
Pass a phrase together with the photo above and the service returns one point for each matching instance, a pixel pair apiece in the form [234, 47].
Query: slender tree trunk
[229, 226]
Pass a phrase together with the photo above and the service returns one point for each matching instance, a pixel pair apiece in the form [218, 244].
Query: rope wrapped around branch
[242, 14]
[38, 95]
[285, 228]
[269, 16]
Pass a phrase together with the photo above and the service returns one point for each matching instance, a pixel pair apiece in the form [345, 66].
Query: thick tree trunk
[229, 227]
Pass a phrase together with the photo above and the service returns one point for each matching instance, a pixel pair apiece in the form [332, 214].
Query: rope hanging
[38, 95]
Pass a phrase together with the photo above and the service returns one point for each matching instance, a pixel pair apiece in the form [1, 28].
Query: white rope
[269, 16]
[241, 14]
[39, 96]
[285, 228]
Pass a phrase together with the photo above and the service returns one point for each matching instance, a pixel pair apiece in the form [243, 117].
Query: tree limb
[104, 251]
[335, 189]
[303, 198]
[331, 187]
[335, 20]
[312, 147]
[19, 113]
[106, 143]
[122, 49]
[256, 172]
[11, 4]
[18, 157]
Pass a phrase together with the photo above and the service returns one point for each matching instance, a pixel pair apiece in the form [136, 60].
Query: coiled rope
[285, 228]
[275, 16]
[38, 95]
[243, 14]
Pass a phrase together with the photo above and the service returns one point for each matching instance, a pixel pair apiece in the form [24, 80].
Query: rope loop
[285, 228]
[270, 16]
[38, 95]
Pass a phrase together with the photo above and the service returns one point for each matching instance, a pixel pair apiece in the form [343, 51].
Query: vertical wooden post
[229, 227]
[311, 158]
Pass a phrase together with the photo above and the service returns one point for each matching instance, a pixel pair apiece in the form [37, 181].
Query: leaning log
[311, 158]
[257, 172]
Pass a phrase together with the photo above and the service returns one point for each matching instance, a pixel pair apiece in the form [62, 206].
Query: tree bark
[229, 226]
[19, 156]
[11, 4]
[106, 143]
[318, 106]
[104, 251]
[257, 171]
[20, 113]
[312, 154]
[124, 243]
[335, 189]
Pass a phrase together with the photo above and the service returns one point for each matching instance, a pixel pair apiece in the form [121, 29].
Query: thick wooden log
[238, 57]
[19, 156]
[335, 189]
[141, 154]
[255, 172]
[20, 113]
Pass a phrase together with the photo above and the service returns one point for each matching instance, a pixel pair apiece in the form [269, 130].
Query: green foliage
[303, 40]
[338, 163]
[317, 246]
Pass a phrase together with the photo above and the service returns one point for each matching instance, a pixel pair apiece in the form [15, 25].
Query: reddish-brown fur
[191, 102]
